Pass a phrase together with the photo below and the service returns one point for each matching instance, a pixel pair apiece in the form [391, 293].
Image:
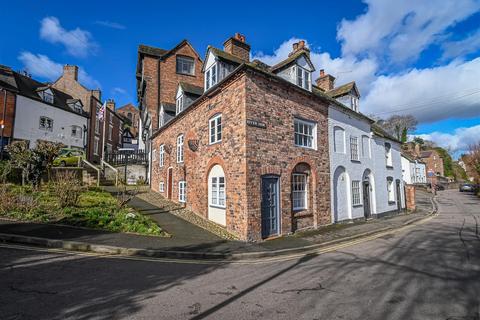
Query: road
[430, 271]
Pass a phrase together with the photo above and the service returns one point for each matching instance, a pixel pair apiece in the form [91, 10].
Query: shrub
[67, 188]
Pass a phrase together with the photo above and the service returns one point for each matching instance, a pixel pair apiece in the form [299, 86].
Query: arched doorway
[217, 201]
[368, 191]
[341, 199]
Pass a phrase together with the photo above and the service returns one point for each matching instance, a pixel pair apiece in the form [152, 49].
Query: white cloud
[454, 49]
[399, 31]
[110, 24]
[119, 90]
[41, 66]
[459, 141]
[77, 42]
[450, 91]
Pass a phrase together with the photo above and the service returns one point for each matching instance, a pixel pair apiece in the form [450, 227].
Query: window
[305, 134]
[109, 148]
[391, 195]
[97, 125]
[95, 145]
[154, 155]
[129, 116]
[218, 191]
[211, 77]
[365, 147]
[46, 124]
[161, 187]
[180, 148]
[47, 96]
[179, 104]
[388, 154]
[303, 78]
[76, 131]
[110, 132]
[182, 191]
[354, 149]
[161, 155]
[110, 117]
[339, 140]
[185, 65]
[299, 191]
[354, 101]
[356, 199]
[120, 135]
[215, 126]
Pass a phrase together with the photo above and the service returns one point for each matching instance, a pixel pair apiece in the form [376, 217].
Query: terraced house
[251, 153]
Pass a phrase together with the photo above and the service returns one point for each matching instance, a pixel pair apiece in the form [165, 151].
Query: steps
[90, 177]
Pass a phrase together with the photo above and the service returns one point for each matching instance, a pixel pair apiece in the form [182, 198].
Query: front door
[270, 206]
[169, 183]
[399, 198]
[366, 200]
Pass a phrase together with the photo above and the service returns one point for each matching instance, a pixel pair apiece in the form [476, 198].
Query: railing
[112, 168]
[127, 157]
[95, 168]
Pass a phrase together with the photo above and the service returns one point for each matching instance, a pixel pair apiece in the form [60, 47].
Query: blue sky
[406, 56]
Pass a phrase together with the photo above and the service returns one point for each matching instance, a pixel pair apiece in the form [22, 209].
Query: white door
[341, 203]
[217, 195]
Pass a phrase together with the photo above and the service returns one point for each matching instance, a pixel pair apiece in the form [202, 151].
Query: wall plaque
[193, 145]
[256, 124]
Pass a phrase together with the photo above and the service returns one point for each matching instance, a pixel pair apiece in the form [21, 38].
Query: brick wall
[9, 112]
[410, 197]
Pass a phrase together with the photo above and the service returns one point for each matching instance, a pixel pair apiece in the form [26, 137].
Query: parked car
[69, 157]
[466, 187]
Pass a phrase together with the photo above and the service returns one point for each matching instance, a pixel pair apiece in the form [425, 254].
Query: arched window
[217, 199]
[339, 139]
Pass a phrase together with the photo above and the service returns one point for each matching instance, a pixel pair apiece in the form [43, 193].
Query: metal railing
[104, 163]
[95, 168]
[127, 157]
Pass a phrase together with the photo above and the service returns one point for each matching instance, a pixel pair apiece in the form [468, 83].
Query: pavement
[192, 242]
[430, 271]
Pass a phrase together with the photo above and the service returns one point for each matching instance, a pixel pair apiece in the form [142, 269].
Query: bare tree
[472, 161]
[399, 126]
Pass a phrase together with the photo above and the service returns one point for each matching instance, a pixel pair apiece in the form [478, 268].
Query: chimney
[299, 46]
[417, 149]
[237, 46]
[326, 82]
[97, 94]
[111, 104]
[70, 72]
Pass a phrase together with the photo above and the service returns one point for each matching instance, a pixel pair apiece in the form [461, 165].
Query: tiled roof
[379, 131]
[289, 60]
[341, 90]
[192, 89]
[224, 55]
[7, 80]
[151, 50]
[426, 154]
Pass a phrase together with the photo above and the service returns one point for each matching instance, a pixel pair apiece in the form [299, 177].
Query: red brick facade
[7, 104]
[159, 73]
[246, 153]
[130, 112]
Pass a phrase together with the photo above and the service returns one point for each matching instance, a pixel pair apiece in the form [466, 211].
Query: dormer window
[180, 104]
[304, 78]
[211, 77]
[185, 65]
[47, 96]
[354, 101]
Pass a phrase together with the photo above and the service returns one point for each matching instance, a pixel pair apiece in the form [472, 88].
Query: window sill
[214, 143]
[301, 213]
[355, 160]
[217, 206]
[391, 203]
[310, 148]
[357, 205]
[390, 167]
[186, 74]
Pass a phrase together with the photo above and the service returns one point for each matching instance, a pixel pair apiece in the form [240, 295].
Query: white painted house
[365, 163]
[45, 113]
[414, 171]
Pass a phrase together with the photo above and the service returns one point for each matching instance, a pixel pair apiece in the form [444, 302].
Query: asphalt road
[430, 271]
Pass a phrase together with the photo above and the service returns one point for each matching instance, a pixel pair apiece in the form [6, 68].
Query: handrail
[111, 167]
[96, 169]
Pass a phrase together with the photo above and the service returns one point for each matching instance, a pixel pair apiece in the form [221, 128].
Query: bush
[67, 188]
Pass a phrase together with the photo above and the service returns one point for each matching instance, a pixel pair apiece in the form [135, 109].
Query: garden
[31, 191]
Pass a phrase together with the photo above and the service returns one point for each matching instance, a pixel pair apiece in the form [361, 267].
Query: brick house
[130, 112]
[91, 100]
[433, 161]
[252, 152]
[8, 91]
[158, 75]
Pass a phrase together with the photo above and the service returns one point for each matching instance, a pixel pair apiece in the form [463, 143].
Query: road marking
[318, 251]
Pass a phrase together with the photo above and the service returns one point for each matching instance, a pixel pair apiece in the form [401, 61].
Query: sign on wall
[256, 124]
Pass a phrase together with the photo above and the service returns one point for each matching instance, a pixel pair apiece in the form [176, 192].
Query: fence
[127, 157]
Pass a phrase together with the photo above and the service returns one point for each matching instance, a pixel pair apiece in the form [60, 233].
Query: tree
[20, 157]
[472, 161]
[447, 162]
[48, 151]
[399, 126]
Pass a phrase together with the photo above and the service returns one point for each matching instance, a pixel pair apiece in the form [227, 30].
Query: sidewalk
[189, 240]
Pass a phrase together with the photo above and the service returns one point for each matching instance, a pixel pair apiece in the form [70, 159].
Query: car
[466, 187]
[69, 157]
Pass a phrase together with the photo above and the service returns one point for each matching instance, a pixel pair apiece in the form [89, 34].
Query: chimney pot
[325, 81]
[70, 72]
[237, 47]
[322, 72]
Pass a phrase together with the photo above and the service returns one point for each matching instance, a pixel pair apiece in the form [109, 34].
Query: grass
[95, 209]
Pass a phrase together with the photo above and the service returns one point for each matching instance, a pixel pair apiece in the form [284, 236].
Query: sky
[407, 57]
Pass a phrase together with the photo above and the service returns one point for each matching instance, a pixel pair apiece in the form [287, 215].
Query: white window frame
[179, 103]
[77, 133]
[97, 124]
[388, 154]
[110, 132]
[366, 153]
[182, 191]
[161, 156]
[96, 145]
[302, 138]
[211, 76]
[47, 123]
[215, 129]
[354, 156]
[154, 155]
[299, 191]
[356, 193]
[390, 191]
[48, 97]
[181, 61]
[303, 78]
[180, 141]
[161, 186]
[218, 191]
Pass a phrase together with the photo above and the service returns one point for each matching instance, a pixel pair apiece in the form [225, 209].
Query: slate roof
[29, 88]
[426, 154]
[343, 90]
[290, 60]
[191, 89]
[152, 51]
[379, 131]
[7, 79]
[224, 55]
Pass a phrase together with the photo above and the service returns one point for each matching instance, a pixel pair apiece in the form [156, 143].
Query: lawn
[95, 209]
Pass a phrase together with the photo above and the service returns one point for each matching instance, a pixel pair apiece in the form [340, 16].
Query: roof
[224, 55]
[379, 131]
[7, 80]
[190, 88]
[152, 51]
[127, 107]
[343, 90]
[426, 154]
[29, 88]
[292, 58]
